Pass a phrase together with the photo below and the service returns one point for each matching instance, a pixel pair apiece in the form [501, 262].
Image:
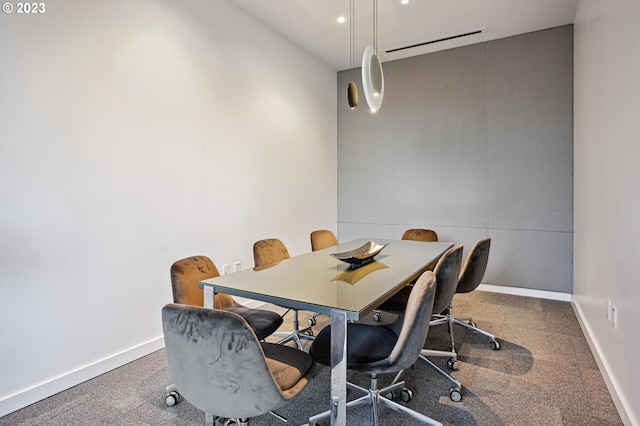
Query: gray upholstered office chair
[185, 276]
[322, 238]
[418, 234]
[447, 271]
[378, 349]
[268, 252]
[220, 367]
[470, 278]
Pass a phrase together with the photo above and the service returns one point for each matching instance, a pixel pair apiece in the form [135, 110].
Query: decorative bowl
[360, 256]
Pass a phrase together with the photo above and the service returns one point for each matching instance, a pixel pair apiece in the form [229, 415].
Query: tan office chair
[322, 238]
[185, 276]
[420, 234]
[417, 234]
[379, 349]
[219, 365]
[470, 278]
[447, 271]
[268, 252]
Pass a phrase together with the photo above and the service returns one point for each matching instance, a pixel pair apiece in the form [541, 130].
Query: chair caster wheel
[406, 395]
[311, 321]
[376, 316]
[495, 345]
[473, 324]
[452, 363]
[172, 398]
[455, 395]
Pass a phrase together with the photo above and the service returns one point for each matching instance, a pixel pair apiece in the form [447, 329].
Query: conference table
[318, 282]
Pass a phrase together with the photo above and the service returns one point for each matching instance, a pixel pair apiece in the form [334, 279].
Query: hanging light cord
[375, 26]
[352, 12]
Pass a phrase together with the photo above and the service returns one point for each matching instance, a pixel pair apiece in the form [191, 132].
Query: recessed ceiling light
[341, 20]
[404, 1]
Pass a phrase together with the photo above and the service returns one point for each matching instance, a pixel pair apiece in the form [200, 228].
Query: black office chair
[470, 278]
[268, 252]
[219, 365]
[378, 349]
[185, 276]
[447, 271]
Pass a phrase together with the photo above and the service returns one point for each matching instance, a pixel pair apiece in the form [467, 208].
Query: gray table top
[319, 282]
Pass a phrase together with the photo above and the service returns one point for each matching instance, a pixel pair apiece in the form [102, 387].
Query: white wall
[133, 134]
[607, 206]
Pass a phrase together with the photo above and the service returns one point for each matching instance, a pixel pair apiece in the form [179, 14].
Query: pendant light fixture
[352, 89]
[372, 76]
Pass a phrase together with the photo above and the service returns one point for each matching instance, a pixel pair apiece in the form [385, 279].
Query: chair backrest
[322, 238]
[415, 323]
[217, 363]
[187, 273]
[474, 267]
[417, 234]
[447, 272]
[268, 251]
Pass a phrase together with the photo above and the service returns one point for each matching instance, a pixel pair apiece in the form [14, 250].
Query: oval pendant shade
[372, 79]
[352, 95]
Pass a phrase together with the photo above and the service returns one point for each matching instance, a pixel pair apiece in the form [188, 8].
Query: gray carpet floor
[544, 374]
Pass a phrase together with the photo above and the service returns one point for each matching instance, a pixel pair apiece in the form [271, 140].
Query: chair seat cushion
[288, 365]
[366, 344]
[264, 323]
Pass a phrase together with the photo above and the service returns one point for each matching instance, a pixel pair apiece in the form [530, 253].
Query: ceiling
[313, 25]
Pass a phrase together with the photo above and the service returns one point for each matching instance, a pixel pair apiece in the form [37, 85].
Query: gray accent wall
[470, 142]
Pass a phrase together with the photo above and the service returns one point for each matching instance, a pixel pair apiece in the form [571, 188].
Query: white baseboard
[65, 381]
[620, 402]
[517, 291]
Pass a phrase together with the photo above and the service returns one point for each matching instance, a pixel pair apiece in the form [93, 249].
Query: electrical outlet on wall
[225, 269]
[609, 305]
[614, 317]
[237, 266]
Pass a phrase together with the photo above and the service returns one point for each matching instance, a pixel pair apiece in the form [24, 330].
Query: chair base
[473, 327]
[213, 420]
[374, 397]
[296, 335]
[312, 320]
[455, 392]
[466, 322]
